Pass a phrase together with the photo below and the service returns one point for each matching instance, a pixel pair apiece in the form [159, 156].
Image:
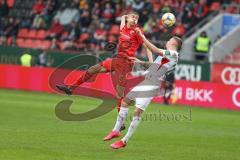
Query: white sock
[136, 120]
[120, 118]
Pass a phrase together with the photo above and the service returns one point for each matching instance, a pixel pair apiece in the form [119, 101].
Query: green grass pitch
[29, 130]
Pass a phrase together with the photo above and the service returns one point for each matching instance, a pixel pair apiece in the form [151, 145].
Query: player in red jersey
[129, 42]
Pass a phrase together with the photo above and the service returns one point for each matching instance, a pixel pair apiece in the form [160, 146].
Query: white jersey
[151, 86]
[154, 72]
[172, 56]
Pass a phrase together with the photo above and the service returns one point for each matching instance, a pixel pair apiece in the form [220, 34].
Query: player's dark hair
[179, 42]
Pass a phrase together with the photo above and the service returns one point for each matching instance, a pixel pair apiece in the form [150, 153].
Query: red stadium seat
[65, 34]
[84, 37]
[114, 30]
[29, 43]
[111, 38]
[41, 34]
[37, 44]
[32, 34]
[23, 33]
[41, 44]
[61, 45]
[10, 3]
[9, 40]
[20, 42]
[215, 6]
[46, 44]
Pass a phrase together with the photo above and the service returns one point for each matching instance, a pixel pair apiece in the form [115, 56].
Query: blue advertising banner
[229, 23]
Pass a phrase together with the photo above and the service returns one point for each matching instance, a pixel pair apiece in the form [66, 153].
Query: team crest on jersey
[132, 32]
[167, 53]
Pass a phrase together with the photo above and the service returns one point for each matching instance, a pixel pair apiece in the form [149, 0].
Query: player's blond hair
[133, 12]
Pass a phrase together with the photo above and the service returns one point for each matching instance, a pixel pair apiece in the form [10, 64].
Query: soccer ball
[168, 19]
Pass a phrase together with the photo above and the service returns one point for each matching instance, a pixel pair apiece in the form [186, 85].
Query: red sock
[119, 104]
[85, 77]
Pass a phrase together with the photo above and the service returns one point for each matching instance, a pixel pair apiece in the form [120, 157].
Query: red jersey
[128, 42]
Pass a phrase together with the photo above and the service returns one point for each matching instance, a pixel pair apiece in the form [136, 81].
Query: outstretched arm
[151, 46]
[149, 53]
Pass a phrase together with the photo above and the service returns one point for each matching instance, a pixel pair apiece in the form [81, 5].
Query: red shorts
[121, 65]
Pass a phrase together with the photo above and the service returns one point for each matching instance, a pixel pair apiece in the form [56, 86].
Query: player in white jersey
[143, 93]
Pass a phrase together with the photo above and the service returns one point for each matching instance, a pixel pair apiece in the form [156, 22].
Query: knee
[126, 102]
[120, 91]
[94, 69]
[138, 112]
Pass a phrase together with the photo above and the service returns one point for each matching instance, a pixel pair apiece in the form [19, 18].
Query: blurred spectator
[69, 15]
[73, 31]
[118, 10]
[128, 3]
[99, 37]
[202, 46]
[188, 18]
[138, 5]
[83, 3]
[144, 17]
[201, 10]
[38, 7]
[232, 8]
[156, 32]
[96, 10]
[166, 8]
[85, 20]
[179, 30]
[54, 44]
[25, 23]
[37, 12]
[26, 60]
[72, 36]
[42, 59]
[168, 87]
[10, 3]
[11, 29]
[3, 8]
[47, 12]
[55, 30]
[3, 40]
[148, 5]
[108, 13]
[149, 25]
[60, 11]
[156, 4]
[3, 24]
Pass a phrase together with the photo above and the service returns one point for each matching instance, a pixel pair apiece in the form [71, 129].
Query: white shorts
[143, 93]
[142, 103]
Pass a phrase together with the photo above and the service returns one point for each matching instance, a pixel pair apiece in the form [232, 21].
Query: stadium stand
[234, 57]
[35, 23]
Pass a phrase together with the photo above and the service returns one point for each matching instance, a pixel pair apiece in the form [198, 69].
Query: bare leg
[119, 96]
[89, 74]
[84, 77]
